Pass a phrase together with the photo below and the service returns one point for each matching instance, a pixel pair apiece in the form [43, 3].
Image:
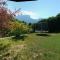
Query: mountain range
[26, 18]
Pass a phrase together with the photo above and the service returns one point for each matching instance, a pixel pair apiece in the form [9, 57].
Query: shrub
[18, 29]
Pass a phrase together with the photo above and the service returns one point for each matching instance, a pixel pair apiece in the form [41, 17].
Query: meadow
[33, 47]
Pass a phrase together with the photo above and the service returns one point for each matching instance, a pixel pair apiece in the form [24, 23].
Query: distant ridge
[26, 18]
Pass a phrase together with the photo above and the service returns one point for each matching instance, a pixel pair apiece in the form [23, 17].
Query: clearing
[34, 47]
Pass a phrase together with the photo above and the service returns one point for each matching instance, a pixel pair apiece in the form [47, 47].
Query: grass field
[33, 47]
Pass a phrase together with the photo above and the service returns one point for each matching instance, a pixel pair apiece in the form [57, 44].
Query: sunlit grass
[33, 47]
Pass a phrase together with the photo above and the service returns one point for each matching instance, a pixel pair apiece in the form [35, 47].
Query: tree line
[51, 24]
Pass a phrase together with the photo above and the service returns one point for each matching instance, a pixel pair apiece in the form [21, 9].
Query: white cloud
[32, 14]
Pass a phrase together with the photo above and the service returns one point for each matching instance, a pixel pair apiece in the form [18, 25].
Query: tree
[53, 23]
[18, 29]
[5, 17]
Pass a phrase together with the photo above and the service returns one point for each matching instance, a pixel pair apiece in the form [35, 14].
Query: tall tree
[5, 17]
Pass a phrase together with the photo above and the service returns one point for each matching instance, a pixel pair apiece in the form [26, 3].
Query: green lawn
[33, 47]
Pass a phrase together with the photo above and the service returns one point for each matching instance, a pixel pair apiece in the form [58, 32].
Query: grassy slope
[32, 48]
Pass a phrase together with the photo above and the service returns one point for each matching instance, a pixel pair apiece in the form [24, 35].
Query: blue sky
[37, 9]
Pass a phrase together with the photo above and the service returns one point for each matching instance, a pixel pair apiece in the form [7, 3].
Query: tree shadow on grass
[42, 34]
[21, 37]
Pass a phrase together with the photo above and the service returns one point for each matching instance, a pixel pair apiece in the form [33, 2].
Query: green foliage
[18, 29]
[17, 32]
[51, 24]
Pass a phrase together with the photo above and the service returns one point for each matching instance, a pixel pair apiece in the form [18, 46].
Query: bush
[17, 32]
[18, 29]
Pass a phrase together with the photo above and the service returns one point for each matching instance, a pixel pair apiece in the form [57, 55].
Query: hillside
[26, 18]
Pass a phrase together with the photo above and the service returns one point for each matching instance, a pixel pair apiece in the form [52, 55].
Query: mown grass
[34, 47]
